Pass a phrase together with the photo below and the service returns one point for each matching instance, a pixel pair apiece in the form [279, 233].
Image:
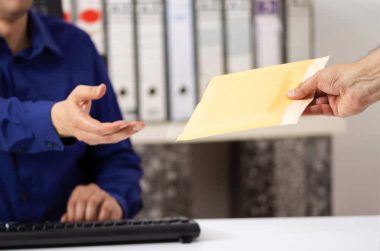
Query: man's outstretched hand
[71, 118]
[91, 203]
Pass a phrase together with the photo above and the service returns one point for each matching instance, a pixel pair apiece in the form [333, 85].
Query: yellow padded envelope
[251, 99]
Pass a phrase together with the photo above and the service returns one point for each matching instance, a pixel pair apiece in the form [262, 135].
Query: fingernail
[137, 128]
[292, 92]
[123, 126]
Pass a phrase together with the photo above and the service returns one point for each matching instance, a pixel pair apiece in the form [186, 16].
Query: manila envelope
[251, 99]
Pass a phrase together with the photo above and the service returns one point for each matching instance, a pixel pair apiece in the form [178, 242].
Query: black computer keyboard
[54, 234]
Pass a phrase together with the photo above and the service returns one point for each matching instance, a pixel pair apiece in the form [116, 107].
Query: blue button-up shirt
[37, 170]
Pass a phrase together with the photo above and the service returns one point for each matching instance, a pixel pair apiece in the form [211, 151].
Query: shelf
[166, 133]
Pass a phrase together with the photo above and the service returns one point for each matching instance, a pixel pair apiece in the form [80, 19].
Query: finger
[322, 109]
[70, 210]
[80, 206]
[306, 89]
[320, 101]
[86, 93]
[93, 139]
[105, 211]
[117, 213]
[133, 127]
[123, 134]
[64, 218]
[80, 193]
[93, 206]
[86, 106]
[86, 123]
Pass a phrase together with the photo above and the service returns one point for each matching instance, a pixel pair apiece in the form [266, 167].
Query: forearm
[27, 127]
[369, 76]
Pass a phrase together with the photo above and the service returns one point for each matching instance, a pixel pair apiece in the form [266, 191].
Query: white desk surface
[303, 234]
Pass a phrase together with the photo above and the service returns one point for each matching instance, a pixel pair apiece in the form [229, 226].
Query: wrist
[369, 75]
[56, 118]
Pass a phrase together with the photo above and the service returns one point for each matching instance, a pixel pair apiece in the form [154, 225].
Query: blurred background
[161, 55]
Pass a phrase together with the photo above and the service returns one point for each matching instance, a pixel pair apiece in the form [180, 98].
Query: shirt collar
[41, 37]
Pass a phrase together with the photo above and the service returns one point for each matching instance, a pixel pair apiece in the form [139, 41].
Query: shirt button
[24, 196]
[49, 145]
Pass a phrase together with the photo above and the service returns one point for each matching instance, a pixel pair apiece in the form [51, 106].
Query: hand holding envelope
[251, 99]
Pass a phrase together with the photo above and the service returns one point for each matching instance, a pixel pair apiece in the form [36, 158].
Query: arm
[33, 127]
[343, 90]
[27, 127]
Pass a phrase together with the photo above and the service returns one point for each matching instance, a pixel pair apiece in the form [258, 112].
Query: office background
[350, 172]
[336, 172]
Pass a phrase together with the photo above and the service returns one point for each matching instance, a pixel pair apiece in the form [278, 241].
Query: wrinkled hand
[341, 90]
[90, 203]
[71, 118]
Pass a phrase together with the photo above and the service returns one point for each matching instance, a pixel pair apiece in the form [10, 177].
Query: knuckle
[77, 189]
[80, 138]
[79, 87]
[93, 201]
[93, 186]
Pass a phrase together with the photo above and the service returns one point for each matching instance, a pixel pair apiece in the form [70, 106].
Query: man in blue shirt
[56, 157]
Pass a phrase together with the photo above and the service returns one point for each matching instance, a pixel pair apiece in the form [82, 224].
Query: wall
[347, 30]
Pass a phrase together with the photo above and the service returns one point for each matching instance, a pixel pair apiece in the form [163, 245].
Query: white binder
[239, 35]
[151, 58]
[90, 18]
[210, 41]
[121, 60]
[181, 58]
[67, 8]
[298, 30]
[268, 30]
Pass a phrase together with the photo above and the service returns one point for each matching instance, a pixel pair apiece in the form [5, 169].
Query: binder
[298, 30]
[210, 41]
[268, 30]
[151, 60]
[238, 18]
[67, 8]
[90, 18]
[120, 54]
[181, 58]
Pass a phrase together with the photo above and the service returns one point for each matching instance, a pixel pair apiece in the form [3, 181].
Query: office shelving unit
[166, 133]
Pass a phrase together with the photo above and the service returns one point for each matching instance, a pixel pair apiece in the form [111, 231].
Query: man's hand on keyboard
[91, 203]
[71, 118]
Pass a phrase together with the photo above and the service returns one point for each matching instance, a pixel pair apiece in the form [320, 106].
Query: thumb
[83, 93]
[306, 89]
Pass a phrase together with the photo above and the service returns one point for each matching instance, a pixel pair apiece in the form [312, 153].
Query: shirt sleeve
[114, 167]
[27, 127]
